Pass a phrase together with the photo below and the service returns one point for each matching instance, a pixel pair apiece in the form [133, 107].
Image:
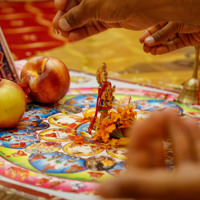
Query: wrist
[188, 11]
[156, 11]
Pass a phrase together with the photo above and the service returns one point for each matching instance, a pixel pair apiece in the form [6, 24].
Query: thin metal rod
[196, 63]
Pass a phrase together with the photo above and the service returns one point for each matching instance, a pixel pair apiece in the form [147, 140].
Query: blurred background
[28, 29]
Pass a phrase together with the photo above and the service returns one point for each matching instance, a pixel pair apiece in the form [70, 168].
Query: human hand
[78, 19]
[146, 175]
[166, 37]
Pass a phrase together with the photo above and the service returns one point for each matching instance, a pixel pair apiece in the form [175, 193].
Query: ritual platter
[41, 155]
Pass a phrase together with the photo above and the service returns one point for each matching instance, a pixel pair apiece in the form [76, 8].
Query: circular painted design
[57, 163]
[32, 125]
[117, 152]
[75, 167]
[83, 101]
[99, 163]
[117, 170]
[85, 149]
[153, 105]
[57, 135]
[83, 131]
[68, 109]
[18, 140]
[67, 121]
[42, 147]
[38, 112]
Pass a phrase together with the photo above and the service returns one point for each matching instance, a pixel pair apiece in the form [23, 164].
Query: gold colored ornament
[101, 73]
[190, 93]
[105, 97]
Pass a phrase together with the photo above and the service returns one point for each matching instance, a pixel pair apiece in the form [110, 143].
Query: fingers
[56, 19]
[146, 142]
[163, 31]
[158, 184]
[138, 184]
[66, 5]
[91, 28]
[165, 38]
[138, 155]
[162, 35]
[181, 146]
[77, 16]
[193, 131]
[150, 31]
[183, 136]
[84, 18]
[172, 45]
[63, 6]
[183, 185]
[56, 26]
[90, 10]
[155, 38]
[81, 33]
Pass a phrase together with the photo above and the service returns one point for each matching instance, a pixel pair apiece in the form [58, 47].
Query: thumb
[162, 35]
[77, 16]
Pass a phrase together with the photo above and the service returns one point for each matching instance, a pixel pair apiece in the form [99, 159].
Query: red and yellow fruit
[48, 79]
[12, 103]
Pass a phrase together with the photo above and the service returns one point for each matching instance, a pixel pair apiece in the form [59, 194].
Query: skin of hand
[167, 37]
[146, 176]
[78, 19]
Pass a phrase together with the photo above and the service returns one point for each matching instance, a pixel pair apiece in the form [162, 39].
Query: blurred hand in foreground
[146, 175]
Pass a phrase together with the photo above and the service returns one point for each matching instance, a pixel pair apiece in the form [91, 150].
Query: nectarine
[48, 79]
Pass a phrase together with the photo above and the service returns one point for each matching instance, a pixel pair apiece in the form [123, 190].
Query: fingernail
[144, 34]
[149, 40]
[64, 24]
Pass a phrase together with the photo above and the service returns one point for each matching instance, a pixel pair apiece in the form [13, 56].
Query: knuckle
[159, 35]
[157, 26]
[194, 40]
[77, 15]
[196, 37]
[179, 27]
[176, 27]
[71, 18]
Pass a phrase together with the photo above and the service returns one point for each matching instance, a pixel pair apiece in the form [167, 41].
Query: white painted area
[86, 149]
[66, 120]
